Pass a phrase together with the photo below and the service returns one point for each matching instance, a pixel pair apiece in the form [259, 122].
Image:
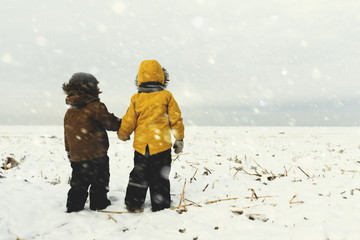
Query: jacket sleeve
[107, 120]
[65, 138]
[66, 143]
[176, 121]
[128, 123]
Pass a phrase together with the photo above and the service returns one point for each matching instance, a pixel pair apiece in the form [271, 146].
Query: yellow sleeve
[128, 122]
[176, 121]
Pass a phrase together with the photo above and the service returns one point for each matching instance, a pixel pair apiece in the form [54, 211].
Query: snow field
[290, 183]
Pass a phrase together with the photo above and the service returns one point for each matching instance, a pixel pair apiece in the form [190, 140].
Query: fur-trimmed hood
[79, 100]
[151, 77]
[81, 90]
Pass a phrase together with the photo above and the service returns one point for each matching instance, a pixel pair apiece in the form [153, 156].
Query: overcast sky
[259, 62]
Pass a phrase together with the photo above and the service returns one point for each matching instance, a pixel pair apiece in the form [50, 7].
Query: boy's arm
[66, 143]
[176, 121]
[67, 149]
[108, 120]
[128, 123]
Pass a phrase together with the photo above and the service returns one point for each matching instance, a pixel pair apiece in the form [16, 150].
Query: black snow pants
[149, 172]
[94, 173]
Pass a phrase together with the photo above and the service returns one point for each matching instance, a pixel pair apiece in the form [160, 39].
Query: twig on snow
[286, 172]
[236, 173]
[220, 200]
[252, 197]
[264, 170]
[329, 168]
[289, 169]
[252, 174]
[304, 172]
[192, 163]
[182, 198]
[253, 194]
[291, 200]
[181, 206]
[207, 170]
[351, 171]
[237, 211]
[257, 172]
[205, 187]
[176, 158]
[251, 206]
[193, 177]
[194, 167]
[113, 212]
[193, 203]
[110, 217]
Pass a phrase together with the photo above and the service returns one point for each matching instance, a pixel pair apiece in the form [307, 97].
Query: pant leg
[100, 176]
[138, 183]
[159, 183]
[79, 187]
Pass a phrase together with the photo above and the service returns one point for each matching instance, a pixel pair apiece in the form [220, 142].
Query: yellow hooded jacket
[152, 115]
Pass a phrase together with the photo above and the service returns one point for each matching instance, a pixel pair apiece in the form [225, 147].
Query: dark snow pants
[94, 173]
[149, 172]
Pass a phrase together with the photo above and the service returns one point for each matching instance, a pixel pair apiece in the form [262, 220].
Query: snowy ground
[290, 183]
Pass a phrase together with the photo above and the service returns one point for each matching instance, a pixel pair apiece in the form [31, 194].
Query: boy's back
[84, 127]
[86, 142]
[153, 115]
[153, 112]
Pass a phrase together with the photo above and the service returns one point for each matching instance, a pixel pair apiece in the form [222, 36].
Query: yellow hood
[150, 71]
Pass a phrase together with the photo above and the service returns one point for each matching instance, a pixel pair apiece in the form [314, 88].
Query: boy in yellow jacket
[153, 114]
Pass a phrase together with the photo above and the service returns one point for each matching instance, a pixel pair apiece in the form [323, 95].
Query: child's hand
[178, 146]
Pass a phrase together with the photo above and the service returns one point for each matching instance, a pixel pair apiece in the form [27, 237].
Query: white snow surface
[290, 183]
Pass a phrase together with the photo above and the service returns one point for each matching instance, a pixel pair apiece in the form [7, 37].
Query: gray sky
[260, 62]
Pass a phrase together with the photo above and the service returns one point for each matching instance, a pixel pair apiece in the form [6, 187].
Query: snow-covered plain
[290, 183]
